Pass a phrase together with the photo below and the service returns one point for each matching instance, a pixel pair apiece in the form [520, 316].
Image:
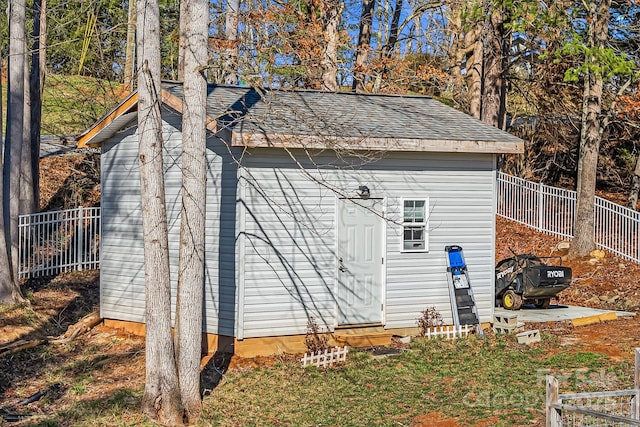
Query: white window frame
[424, 224]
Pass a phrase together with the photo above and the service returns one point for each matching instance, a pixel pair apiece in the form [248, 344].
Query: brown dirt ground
[69, 181]
[610, 284]
[119, 357]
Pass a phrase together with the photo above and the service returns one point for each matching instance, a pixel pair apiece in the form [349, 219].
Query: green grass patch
[72, 103]
[492, 380]
[469, 380]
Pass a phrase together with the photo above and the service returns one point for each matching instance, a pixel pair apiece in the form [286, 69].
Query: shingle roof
[316, 119]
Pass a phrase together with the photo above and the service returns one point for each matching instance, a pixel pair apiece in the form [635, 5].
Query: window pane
[408, 211]
[414, 238]
[414, 235]
[419, 211]
[414, 211]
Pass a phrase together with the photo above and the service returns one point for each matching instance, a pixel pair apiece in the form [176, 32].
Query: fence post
[79, 239]
[636, 386]
[552, 416]
[22, 244]
[540, 205]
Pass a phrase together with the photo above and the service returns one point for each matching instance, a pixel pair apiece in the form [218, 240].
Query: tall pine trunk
[583, 241]
[230, 54]
[9, 291]
[474, 63]
[188, 329]
[15, 128]
[161, 398]
[388, 48]
[329, 62]
[494, 87]
[635, 186]
[363, 47]
[129, 61]
[36, 84]
[181, 40]
[27, 201]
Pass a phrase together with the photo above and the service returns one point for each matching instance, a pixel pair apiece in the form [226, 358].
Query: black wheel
[511, 300]
[542, 302]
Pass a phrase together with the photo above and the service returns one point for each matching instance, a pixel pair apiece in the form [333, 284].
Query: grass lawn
[473, 381]
[470, 380]
[72, 103]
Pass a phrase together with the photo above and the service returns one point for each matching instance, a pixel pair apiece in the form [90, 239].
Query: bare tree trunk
[36, 83]
[9, 291]
[457, 52]
[635, 186]
[417, 32]
[383, 13]
[389, 46]
[14, 133]
[129, 61]
[181, 41]
[188, 329]
[329, 61]
[494, 88]
[27, 202]
[231, 32]
[474, 70]
[161, 398]
[363, 47]
[583, 241]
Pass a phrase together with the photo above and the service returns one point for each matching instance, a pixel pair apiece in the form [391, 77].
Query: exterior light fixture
[363, 192]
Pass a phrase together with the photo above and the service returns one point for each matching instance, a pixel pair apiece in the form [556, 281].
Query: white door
[360, 253]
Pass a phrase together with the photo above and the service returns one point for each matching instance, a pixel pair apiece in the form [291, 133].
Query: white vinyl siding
[122, 257]
[271, 232]
[290, 260]
[122, 284]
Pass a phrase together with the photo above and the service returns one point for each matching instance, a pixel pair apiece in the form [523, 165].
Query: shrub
[314, 340]
[430, 318]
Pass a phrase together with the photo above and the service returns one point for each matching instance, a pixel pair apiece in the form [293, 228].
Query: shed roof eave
[261, 140]
[109, 124]
[94, 136]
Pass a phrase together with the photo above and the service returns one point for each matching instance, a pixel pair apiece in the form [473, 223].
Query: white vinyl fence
[552, 210]
[59, 241]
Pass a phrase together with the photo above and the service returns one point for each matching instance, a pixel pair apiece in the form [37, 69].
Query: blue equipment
[463, 306]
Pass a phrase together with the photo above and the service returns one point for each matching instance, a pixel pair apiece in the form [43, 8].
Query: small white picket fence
[448, 332]
[325, 358]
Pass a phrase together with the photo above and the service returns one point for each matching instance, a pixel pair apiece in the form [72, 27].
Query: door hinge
[381, 307]
[382, 260]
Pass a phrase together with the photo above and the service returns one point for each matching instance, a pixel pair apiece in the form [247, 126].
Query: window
[414, 225]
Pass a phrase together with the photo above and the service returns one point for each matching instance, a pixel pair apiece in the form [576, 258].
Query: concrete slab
[557, 313]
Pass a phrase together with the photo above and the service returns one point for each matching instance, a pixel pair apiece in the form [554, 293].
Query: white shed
[331, 206]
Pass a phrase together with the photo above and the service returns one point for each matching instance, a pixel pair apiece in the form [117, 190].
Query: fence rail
[59, 241]
[552, 210]
[603, 408]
